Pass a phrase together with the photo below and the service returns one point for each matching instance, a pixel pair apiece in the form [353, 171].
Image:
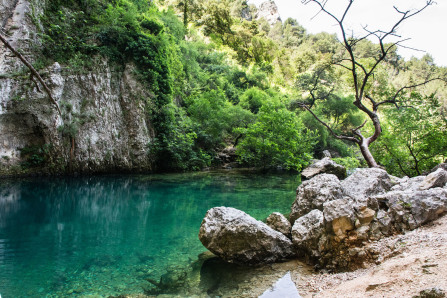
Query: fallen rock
[408, 184]
[436, 179]
[312, 194]
[324, 166]
[367, 182]
[332, 221]
[279, 223]
[339, 214]
[408, 210]
[238, 238]
[440, 166]
[307, 232]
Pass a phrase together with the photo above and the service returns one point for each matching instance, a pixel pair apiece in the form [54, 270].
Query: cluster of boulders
[331, 222]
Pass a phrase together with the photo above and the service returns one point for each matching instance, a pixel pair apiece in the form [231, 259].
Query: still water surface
[105, 235]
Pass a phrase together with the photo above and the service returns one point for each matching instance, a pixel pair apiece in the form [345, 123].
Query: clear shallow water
[105, 235]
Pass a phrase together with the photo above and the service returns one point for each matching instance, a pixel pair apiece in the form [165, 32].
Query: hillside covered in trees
[216, 75]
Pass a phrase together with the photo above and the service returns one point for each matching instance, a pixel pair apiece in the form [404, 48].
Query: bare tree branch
[341, 137]
[362, 74]
[394, 99]
[33, 71]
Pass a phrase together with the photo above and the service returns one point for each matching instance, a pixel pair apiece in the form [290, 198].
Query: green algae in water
[109, 235]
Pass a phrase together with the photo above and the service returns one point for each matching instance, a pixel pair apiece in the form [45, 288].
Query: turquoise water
[106, 235]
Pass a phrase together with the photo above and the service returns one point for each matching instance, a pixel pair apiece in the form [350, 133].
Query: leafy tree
[293, 33]
[253, 99]
[362, 76]
[215, 119]
[414, 137]
[277, 139]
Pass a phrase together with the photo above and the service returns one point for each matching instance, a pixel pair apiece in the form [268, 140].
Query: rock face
[267, 10]
[312, 194]
[106, 104]
[325, 165]
[238, 238]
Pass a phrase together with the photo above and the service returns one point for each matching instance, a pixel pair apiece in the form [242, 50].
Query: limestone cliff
[105, 124]
[266, 10]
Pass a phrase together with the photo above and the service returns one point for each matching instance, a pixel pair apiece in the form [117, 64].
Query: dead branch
[33, 72]
[340, 137]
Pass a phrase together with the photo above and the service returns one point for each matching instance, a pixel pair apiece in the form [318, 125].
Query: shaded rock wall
[105, 106]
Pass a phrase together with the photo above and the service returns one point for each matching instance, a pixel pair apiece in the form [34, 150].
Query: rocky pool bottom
[114, 235]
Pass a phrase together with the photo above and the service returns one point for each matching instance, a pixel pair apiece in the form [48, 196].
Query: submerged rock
[324, 166]
[238, 238]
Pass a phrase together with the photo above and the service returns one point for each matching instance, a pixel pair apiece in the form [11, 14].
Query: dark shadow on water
[215, 271]
[208, 275]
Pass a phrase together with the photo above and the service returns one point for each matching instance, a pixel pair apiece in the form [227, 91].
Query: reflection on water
[110, 235]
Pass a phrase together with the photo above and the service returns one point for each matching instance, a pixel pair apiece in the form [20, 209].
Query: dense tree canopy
[220, 77]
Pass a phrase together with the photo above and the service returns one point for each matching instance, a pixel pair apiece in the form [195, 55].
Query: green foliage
[67, 26]
[277, 139]
[231, 86]
[35, 155]
[349, 162]
[341, 115]
[174, 149]
[216, 118]
[253, 99]
[413, 138]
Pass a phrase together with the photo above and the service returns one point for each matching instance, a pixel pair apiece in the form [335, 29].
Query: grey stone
[440, 166]
[326, 153]
[367, 182]
[339, 215]
[436, 179]
[238, 238]
[408, 184]
[312, 194]
[338, 208]
[279, 222]
[307, 231]
[325, 165]
[411, 209]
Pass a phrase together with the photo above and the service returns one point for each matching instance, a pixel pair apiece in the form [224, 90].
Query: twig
[33, 71]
